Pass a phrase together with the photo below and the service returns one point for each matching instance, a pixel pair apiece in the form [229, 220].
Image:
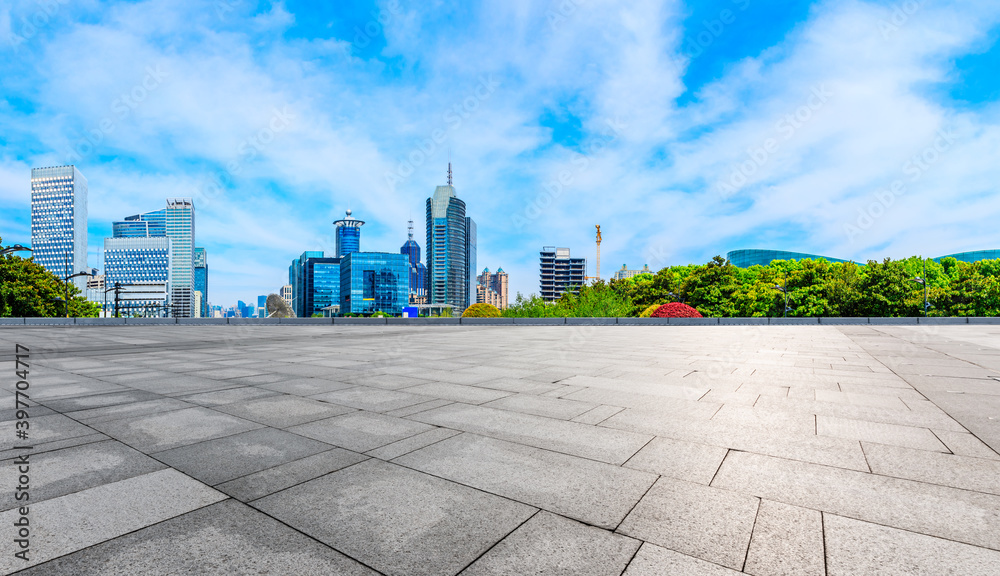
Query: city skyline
[861, 129]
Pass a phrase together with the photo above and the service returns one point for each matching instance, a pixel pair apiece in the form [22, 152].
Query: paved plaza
[516, 450]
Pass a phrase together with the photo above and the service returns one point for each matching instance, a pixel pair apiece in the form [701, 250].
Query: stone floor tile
[525, 385]
[407, 445]
[371, 399]
[456, 392]
[69, 523]
[423, 406]
[961, 515]
[592, 492]
[223, 459]
[306, 386]
[157, 432]
[400, 522]
[856, 547]
[217, 540]
[556, 546]
[43, 430]
[91, 401]
[965, 444]
[707, 523]
[260, 484]
[787, 541]
[227, 396]
[676, 407]
[598, 414]
[612, 446]
[360, 431]
[906, 436]
[560, 408]
[284, 410]
[678, 459]
[748, 418]
[934, 467]
[130, 410]
[652, 560]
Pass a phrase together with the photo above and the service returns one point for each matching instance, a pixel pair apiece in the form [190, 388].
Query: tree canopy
[28, 290]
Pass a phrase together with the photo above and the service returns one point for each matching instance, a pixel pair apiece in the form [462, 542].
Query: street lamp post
[923, 282]
[14, 248]
[66, 282]
[783, 290]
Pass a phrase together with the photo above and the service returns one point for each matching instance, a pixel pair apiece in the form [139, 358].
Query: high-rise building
[374, 282]
[418, 272]
[201, 279]
[448, 249]
[286, 294]
[175, 222]
[492, 288]
[59, 221]
[315, 282]
[262, 306]
[348, 231]
[560, 273]
[470, 259]
[142, 266]
[626, 273]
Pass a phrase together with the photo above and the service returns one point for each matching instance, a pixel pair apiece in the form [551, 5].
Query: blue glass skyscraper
[139, 260]
[201, 278]
[418, 272]
[448, 249]
[59, 221]
[315, 281]
[374, 282]
[348, 232]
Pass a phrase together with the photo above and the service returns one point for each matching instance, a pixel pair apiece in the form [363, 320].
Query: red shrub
[676, 310]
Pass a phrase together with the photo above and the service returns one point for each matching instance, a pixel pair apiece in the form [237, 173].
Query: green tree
[710, 288]
[28, 290]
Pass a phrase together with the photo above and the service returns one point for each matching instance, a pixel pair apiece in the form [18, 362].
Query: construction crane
[598, 277]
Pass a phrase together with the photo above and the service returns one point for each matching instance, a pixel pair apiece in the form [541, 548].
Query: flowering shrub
[481, 311]
[649, 311]
[676, 310]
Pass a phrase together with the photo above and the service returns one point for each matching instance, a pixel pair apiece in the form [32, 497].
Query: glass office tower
[59, 221]
[348, 231]
[470, 259]
[315, 283]
[131, 261]
[447, 248]
[175, 222]
[418, 272]
[201, 279]
[374, 282]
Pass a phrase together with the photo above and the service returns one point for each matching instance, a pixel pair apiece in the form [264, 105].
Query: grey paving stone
[371, 399]
[120, 411]
[226, 373]
[867, 413]
[704, 522]
[223, 459]
[688, 409]
[526, 385]
[181, 384]
[457, 392]
[407, 445]
[653, 560]
[228, 396]
[398, 521]
[650, 387]
[218, 540]
[677, 459]
[964, 444]
[260, 484]
[598, 414]
[42, 430]
[423, 406]
[605, 445]
[860, 399]
[99, 400]
[552, 545]
[787, 541]
[749, 418]
[284, 410]
[360, 431]
[80, 386]
[855, 547]
[387, 381]
[592, 492]
[72, 469]
[560, 408]
[306, 386]
[933, 467]
[157, 432]
[970, 517]
[69, 523]
[906, 436]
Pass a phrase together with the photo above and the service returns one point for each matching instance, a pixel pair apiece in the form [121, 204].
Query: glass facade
[470, 260]
[374, 282]
[748, 258]
[974, 256]
[59, 221]
[201, 278]
[418, 272]
[348, 233]
[132, 261]
[315, 283]
[447, 250]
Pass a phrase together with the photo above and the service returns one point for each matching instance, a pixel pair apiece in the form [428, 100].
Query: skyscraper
[558, 272]
[201, 278]
[470, 259]
[59, 221]
[142, 265]
[315, 281]
[348, 232]
[448, 248]
[374, 282]
[175, 222]
[418, 272]
[492, 288]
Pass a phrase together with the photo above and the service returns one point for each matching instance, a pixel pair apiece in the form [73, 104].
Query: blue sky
[853, 129]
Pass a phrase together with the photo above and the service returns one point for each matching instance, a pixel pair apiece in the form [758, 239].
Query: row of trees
[28, 290]
[814, 288]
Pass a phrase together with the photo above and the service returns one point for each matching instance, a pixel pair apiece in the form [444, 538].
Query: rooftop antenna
[449, 174]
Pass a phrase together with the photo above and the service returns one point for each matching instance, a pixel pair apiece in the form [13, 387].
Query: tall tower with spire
[348, 231]
[418, 272]
[451, 248]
